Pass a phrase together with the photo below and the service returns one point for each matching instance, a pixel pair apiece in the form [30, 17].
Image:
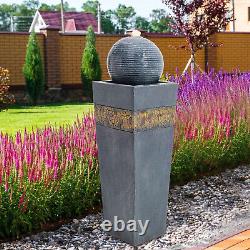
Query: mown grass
[20, 117]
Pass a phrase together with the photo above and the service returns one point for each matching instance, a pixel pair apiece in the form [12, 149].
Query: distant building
[77, 22]
[242, 16]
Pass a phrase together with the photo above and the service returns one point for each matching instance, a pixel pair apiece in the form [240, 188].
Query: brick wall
[175, 58]
[71, 47]
[62, 54]
[70, 54]
[12, 54]
[233, 54]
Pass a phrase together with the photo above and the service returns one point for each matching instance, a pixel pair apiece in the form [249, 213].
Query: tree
[27, 8]
[160, 22]
[6, 11]
[33, 69]
[107, 24]
[90, 6]
[90, 67]
[197, 20]
[66, 7]
[56, 7]
[30, 6]
[125, 17]
[142, 23]
[46, 7]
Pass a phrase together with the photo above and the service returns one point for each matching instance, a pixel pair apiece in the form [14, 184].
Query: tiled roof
[79, 20]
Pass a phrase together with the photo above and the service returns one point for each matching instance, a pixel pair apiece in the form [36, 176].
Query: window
[248, 13]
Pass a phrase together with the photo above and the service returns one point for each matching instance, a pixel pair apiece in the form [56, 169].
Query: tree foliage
[160, 21]
[56, 7]
[125, 17]
[90, 6]
[90, 67]
[107, 23]
[33, 69]
[112, 21]
[27, 8]
[6, 11]
[142, 23]
[197, 20]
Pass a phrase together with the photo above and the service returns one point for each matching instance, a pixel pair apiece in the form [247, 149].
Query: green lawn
[20, 117]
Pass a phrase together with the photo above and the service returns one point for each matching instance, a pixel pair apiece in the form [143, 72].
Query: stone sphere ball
[135, 61]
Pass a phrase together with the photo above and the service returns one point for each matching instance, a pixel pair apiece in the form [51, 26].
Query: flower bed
[213, 124]
[52, 174]
[47, 175]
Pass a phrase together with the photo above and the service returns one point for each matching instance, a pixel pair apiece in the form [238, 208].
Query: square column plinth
[135, 140]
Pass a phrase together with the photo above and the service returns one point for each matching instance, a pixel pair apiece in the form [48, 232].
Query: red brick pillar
[52, 72]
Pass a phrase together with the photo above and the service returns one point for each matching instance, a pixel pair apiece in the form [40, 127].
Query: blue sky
[142, 7]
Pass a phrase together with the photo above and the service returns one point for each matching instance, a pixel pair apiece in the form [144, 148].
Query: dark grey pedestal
[135, 137]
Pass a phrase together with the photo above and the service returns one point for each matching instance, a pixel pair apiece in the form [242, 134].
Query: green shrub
[90, 67]
[33, 70]
[5, 97]
[193, 159]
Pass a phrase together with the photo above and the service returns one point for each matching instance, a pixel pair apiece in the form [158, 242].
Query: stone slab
[135, 98]
[135, 170]
[134, 137]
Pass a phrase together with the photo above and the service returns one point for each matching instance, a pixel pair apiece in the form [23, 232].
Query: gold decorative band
[134, 121]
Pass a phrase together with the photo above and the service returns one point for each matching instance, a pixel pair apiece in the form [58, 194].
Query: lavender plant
[213, 123]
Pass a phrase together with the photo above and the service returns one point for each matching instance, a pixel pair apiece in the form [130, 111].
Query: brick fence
[62, 55]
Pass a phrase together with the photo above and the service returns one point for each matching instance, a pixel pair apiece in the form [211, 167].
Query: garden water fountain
[134, 115]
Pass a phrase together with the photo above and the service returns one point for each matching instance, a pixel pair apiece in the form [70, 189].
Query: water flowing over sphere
[135, 61]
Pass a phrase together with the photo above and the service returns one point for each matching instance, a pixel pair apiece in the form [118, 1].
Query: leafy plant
[33, 69]
[5, 97]
[197, 20]
[90, 67]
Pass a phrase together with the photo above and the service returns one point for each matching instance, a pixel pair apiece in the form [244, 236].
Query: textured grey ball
[135, 61]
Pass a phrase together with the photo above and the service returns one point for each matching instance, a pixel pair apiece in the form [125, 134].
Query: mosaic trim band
[134, 121]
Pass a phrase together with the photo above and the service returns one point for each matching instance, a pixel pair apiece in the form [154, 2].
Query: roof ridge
[57, 11]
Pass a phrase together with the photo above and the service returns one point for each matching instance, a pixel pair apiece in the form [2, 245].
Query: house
[241, 10]
[76, 22]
